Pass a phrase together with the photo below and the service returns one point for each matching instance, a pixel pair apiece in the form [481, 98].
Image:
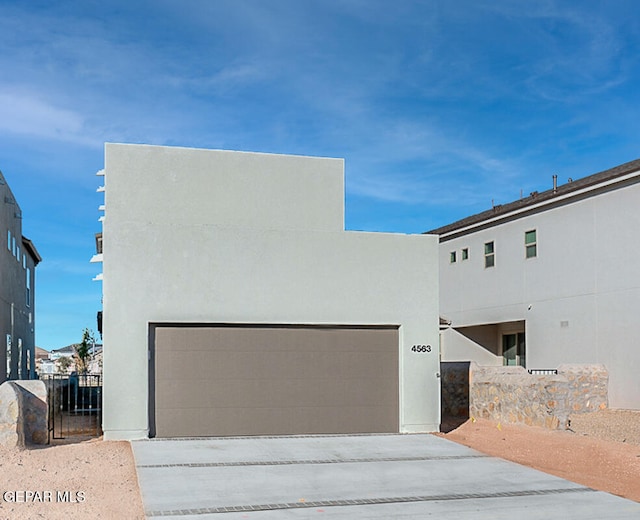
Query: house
[549, 279]
[69, 352]
[95, 361]
[44, 365]
[18, 261]
[235, 303]
[41, 353]
[63, 360]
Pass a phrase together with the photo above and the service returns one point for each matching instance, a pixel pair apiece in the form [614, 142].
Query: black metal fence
[75, 405]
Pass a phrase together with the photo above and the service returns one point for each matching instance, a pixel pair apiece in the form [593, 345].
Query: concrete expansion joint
[308, 461]
[258, 437]
[365, 501]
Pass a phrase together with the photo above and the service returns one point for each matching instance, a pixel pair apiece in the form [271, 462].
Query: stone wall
[23, 413]
[512, 395]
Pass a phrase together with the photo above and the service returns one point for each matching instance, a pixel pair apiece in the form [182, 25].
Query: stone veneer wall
[512, 395]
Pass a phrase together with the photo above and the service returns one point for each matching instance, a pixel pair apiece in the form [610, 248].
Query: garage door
[262, 380]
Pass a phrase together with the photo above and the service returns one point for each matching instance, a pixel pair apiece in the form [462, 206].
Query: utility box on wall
[231, 273]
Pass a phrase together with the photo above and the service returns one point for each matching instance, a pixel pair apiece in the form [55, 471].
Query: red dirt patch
[598, 463]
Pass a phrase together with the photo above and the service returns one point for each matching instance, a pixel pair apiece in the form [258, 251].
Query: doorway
[514, 349]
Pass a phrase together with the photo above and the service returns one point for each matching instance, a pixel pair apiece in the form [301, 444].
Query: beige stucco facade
[576, 300]
[203, 236]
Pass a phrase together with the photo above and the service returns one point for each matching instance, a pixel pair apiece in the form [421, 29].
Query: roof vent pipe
[555, 183]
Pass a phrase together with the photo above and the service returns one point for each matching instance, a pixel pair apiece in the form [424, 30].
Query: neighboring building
[94, 363]
[44, 365]
[69, 351]
[60, 365]
[235, 303]
[18, 261]
[549, 279]
[41, 353]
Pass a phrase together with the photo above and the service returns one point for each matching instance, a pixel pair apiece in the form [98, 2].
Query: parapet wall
[512, 395]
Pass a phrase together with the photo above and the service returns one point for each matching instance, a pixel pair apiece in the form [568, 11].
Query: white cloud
[569, 52]
[418, 163]
[26, 114]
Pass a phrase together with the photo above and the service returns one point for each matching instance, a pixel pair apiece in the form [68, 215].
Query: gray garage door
[261, 380]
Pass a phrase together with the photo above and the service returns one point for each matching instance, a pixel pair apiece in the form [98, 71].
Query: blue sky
[437, 107]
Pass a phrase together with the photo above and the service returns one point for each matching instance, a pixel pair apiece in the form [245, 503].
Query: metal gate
[74, 405]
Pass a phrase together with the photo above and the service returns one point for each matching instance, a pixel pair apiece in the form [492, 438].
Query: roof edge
[29, 246]
[534, 198]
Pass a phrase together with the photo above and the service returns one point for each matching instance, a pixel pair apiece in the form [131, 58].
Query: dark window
[530, 244]
[489, 255]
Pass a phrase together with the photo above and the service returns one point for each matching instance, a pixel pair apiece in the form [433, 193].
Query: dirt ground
[97, 479]
[601, 450]
[91, 479]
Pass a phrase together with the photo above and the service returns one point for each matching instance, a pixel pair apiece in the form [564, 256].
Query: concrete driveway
[361, 476]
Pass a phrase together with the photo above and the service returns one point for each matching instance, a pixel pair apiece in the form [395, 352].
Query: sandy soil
[601, 451]
[99, 477]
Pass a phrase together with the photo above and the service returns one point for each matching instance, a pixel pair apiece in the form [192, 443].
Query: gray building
[235, 303]
[549, 279]
[18, 261]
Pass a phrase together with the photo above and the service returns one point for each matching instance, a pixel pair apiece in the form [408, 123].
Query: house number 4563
[421, 348]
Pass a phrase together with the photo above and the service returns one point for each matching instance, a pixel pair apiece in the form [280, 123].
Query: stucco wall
[184, 186]
[264, 270]
[456, 346]
[578, 296]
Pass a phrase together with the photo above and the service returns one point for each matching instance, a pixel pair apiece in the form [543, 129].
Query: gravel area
[611, 425]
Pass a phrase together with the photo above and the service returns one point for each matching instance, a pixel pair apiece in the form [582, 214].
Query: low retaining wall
[23, 413]
[512, 395]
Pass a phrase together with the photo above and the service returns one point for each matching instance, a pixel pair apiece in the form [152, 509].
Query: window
[9, 356]
[28, 373]
[530, 244]
[28, 287]
[9, 240]
[452, 257]
[489, 255]
[514, 349]
[465, 253]
[19, 358]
